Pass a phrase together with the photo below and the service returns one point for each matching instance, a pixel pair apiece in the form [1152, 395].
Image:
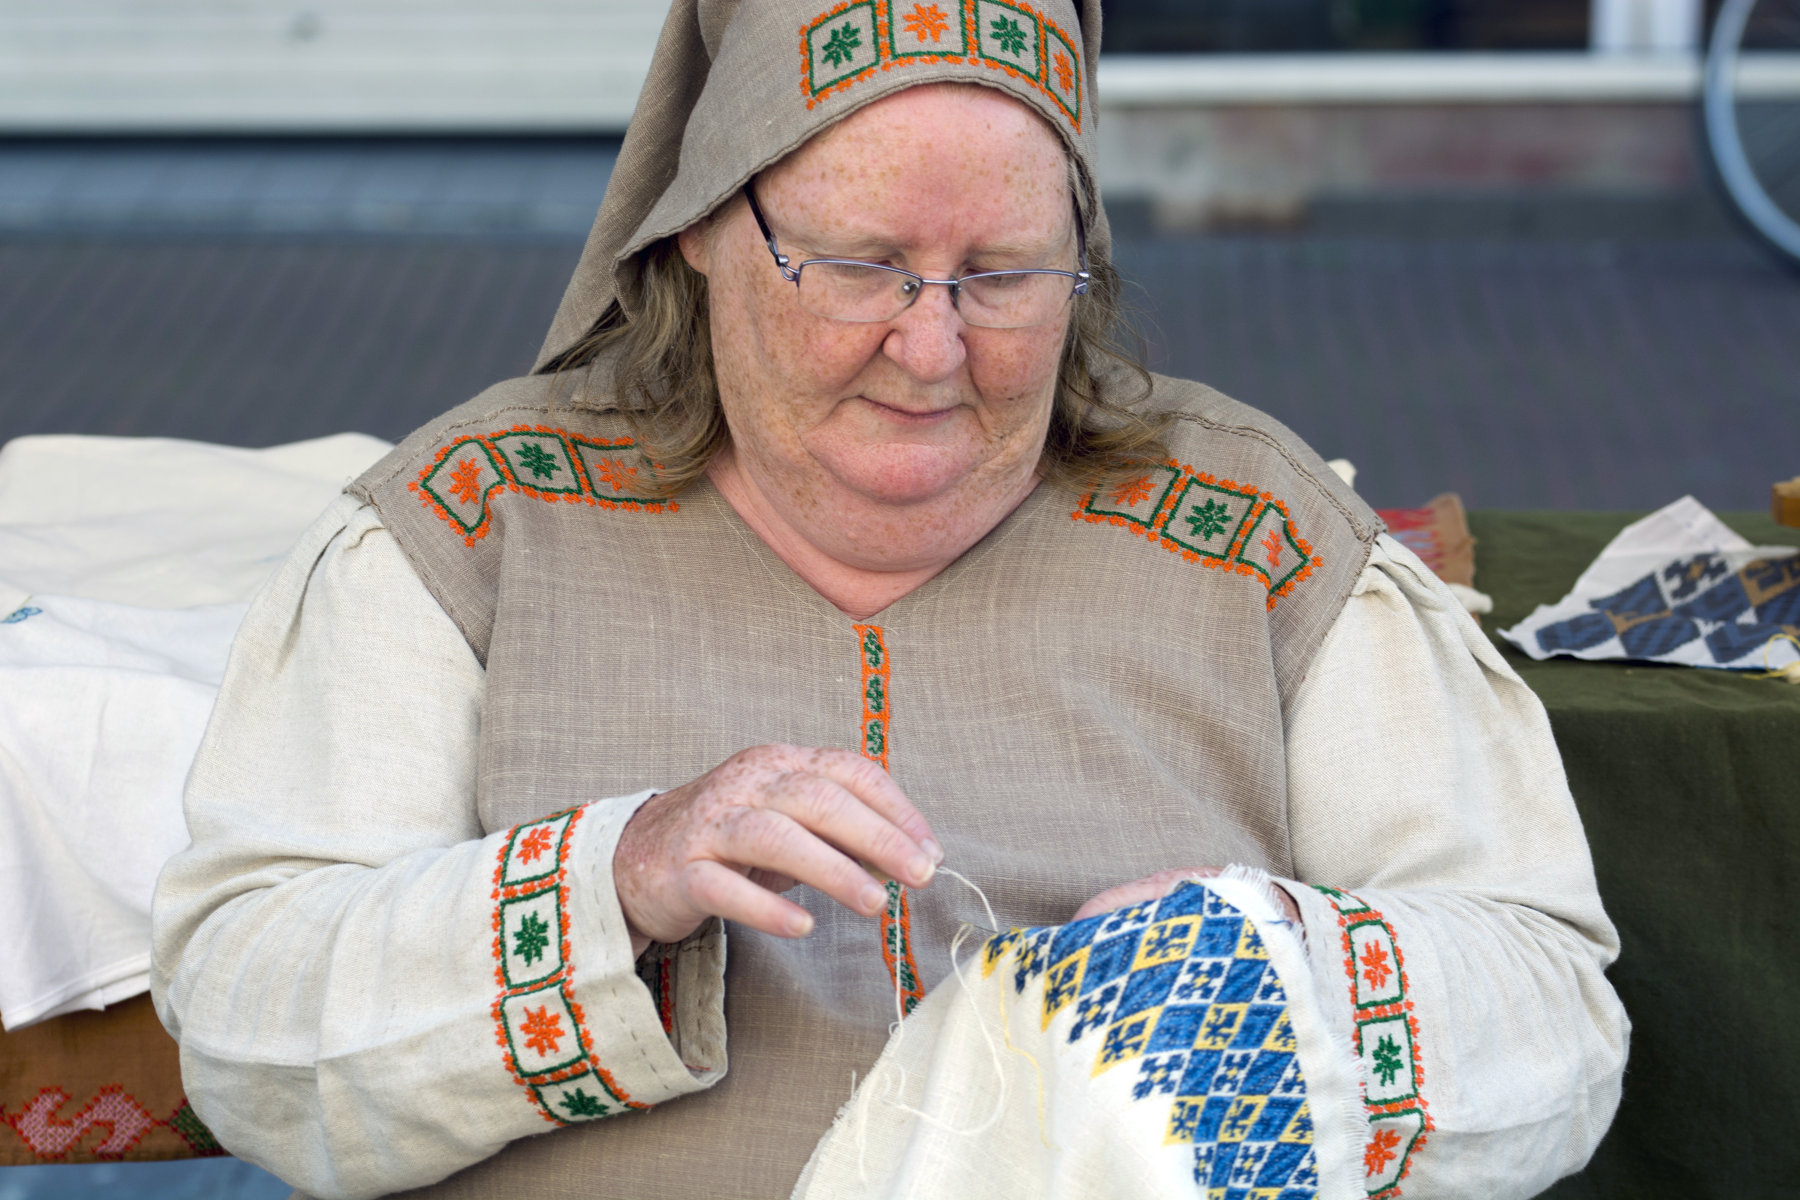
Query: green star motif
[1208, 522]
[1387, 1060]
[538, 461]
[1010, 36]
[841, 47]
[531, 938]
[580, 1104]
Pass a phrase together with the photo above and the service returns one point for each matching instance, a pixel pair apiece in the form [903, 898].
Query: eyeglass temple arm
[781, 260]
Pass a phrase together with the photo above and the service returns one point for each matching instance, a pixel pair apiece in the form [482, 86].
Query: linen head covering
[736, 86]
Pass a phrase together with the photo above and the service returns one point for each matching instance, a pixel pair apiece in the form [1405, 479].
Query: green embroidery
[1210, 521]
[537, 460]
[1388, 1063]
[580, 1104]
[841, 47]
[532, 938]
[872, 650]
[1007, 32]
[194, 1132]
[876, 741]
[873, 693]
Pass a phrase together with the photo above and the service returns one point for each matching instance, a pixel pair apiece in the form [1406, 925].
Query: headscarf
[737, 85]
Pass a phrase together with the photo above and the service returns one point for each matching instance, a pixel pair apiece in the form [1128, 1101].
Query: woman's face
[892, 446]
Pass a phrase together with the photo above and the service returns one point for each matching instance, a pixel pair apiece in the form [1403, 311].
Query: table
[1689, 784]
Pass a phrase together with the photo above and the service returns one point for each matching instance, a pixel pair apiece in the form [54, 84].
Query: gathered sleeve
[370, 991]
[1455, 930]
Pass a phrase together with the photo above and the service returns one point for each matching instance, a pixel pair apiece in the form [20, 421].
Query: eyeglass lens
[845, 291]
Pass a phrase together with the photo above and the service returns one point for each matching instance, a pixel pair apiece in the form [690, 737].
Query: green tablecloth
[1689, 783]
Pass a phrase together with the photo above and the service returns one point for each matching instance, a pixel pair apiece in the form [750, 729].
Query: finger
[719, 891]
[827, 810]
[865, 780]
[761, 839]
[1151, 887]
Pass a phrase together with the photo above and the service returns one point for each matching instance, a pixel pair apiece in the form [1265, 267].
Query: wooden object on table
[96, 1087]
[1784, 503]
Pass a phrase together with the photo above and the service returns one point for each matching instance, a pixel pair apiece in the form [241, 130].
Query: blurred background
[1473, 245]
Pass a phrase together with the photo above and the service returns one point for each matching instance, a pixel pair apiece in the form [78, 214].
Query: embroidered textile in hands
[1170, 1048]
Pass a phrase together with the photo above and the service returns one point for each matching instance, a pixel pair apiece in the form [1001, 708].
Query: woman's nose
[926, 340]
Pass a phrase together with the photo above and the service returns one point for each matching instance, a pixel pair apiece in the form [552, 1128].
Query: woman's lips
[907, 416]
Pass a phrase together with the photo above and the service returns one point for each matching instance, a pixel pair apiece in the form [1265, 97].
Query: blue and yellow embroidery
[538, 461]
[537, 1022]
[1217, 523]
[1183, 987]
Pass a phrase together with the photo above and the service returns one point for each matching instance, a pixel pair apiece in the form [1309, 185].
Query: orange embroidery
[465, 480]
[927, 21]
[1065, 74]
[543, 1030]
[1390, 1118]
[545, 478]
[580, 1085]
[840, 51]
[896, 918]
[614, 472]
[1219, 507]
[1375, 965]
[533, 845]
[1380, 1150]
[1132, 491]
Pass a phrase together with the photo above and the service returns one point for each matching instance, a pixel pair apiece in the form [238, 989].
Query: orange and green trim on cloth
[873, 742]
[1218, 523]
[537, 1022]
[539, 461]
[853, 40]
[1387, 1041]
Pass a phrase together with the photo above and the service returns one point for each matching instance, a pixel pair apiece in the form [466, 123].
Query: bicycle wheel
[1752, 110]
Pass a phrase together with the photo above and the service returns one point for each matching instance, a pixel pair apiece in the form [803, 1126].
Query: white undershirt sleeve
[369, 992]
[1465, 950]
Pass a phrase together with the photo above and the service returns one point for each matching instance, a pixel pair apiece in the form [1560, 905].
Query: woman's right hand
[757, 824]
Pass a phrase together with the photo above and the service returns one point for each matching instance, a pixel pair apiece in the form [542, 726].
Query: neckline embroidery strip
[873, 742]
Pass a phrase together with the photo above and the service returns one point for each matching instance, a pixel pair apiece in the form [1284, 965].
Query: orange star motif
[1132, 491]
[543, 1030]
[532, 847]
[927, 21]
[614, 472]
[465, 480]
[1272, 544]
[1065, 73]
[1375, 966]
[1380, 1151]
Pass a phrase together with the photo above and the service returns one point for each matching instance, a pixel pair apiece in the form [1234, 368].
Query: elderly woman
[830, 543]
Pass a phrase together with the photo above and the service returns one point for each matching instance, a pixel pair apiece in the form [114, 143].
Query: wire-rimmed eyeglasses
[847, 289]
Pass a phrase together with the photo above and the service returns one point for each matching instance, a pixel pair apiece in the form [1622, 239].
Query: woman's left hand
[1155, 887]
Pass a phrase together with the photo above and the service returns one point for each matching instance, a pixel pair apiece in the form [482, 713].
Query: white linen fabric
[118, 604]
[359, 1059]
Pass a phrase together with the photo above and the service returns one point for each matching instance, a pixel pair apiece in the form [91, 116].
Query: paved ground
[257, 293]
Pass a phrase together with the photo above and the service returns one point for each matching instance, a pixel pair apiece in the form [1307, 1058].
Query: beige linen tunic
[1221, 663]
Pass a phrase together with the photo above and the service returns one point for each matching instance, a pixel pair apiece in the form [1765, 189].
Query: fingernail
[932, 850]
[801, 925]
[874, 898]
[921, 869]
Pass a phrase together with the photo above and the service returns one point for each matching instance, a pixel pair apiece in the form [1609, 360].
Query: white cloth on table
[1422, 771]
[126, 565]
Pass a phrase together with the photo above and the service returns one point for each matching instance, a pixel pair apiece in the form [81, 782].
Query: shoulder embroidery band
[537, 1022]
[1387, 1041]
[1183, 988]
[850, 41]
[535, 460]
[1214, 522]
[896, 918]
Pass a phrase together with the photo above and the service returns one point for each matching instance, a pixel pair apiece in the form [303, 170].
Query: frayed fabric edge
[1333, 1071]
